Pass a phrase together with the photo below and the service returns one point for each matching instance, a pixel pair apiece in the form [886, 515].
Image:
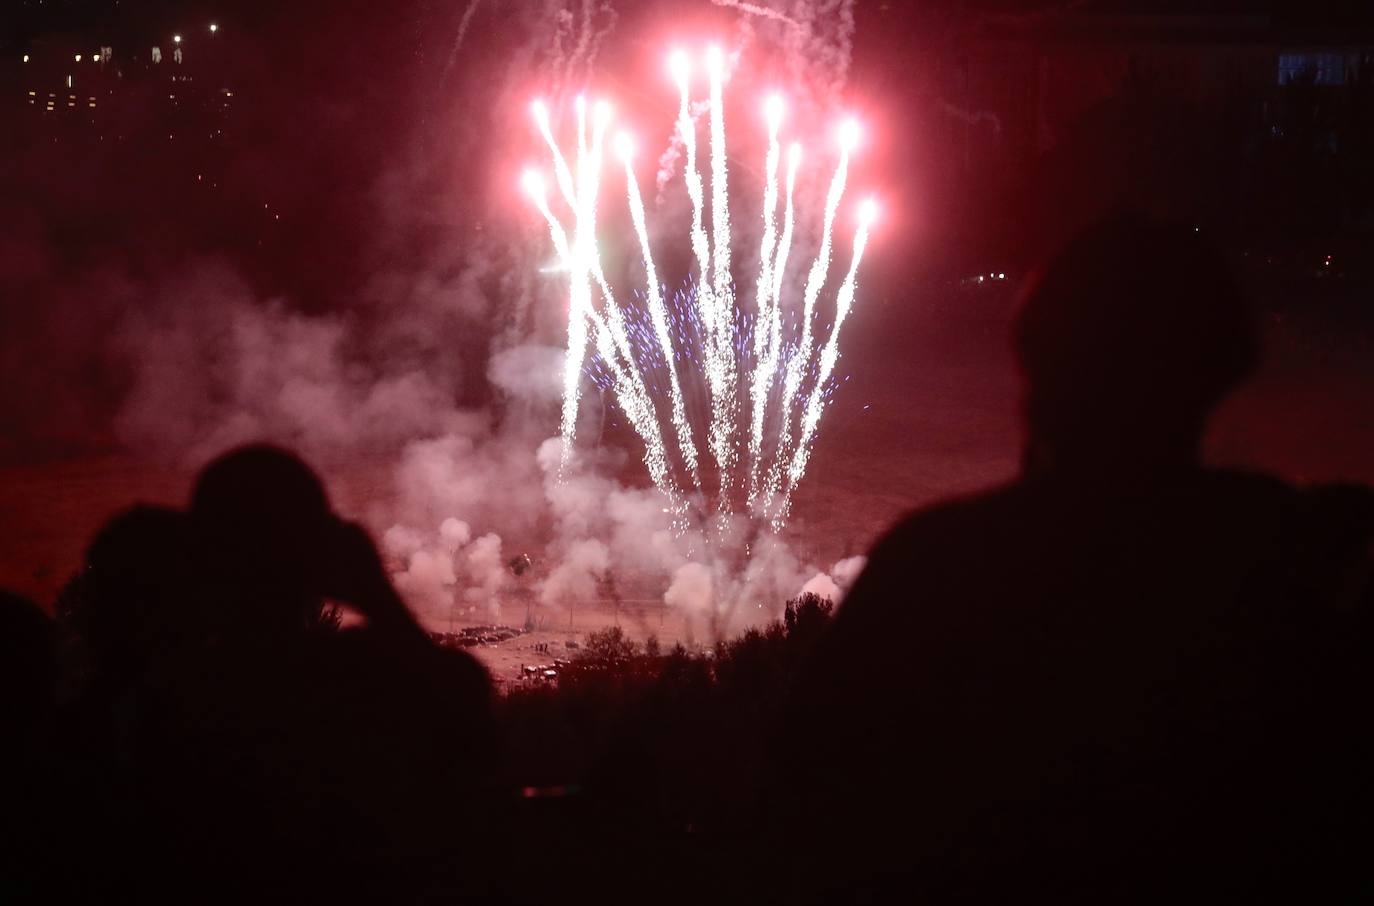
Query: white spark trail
[560, 164]
[815, 407]
[761, 380]
[659, 315]
[705, 297]
[815, 280]
[579, 301]
[630, 393]
[785, 244]
[722, 360]
[584, 264]
[773, 326]
[644, 416]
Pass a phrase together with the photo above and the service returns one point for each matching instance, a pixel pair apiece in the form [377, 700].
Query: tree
[608, 646]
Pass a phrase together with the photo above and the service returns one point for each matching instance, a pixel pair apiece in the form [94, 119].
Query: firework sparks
[815, 405]
[704, 338]
[820, 269]
[658, 313]
[761, 380]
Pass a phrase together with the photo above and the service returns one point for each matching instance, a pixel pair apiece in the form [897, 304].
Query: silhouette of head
[132, 596]
[260, 521]
[1126, 340]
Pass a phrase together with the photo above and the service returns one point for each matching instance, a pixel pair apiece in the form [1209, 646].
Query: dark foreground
[1116, 674]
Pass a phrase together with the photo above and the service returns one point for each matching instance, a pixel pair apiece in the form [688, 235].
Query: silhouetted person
[121, 616]
[129, 602]
[28, 675]
[1123, 676]
[28, 671]
[285, 758]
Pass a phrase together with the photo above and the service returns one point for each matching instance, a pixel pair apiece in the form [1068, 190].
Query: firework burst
[655, 355]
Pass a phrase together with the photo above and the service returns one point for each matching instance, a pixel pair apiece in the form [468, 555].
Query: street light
[213, 28]
[176, 39]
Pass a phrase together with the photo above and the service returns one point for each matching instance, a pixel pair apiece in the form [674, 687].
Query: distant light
[26, 58]
[213, 28]
[78, 58]
[176, 39]
[69, 82]
[1001, 276]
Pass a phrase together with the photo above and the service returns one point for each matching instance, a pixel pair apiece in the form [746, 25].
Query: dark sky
[135, 19]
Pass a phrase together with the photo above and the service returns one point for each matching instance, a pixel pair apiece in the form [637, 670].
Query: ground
[929, 412]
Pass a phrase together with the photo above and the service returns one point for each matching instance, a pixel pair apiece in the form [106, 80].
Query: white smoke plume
[692, 590]
[835, 584]
[584, 563]
[847, 571]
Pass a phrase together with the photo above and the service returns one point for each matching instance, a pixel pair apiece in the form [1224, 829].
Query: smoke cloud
[427, 369]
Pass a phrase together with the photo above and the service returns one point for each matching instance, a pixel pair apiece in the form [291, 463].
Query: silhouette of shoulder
[984, 537]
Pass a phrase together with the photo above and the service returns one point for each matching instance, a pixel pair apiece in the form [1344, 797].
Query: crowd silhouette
[1124, 676]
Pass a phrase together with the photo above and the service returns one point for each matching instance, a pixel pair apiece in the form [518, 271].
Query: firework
[651, 349]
